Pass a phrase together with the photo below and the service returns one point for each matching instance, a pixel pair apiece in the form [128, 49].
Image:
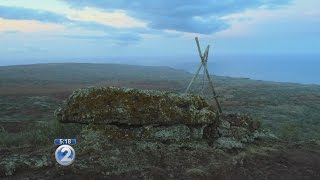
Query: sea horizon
[302, 68]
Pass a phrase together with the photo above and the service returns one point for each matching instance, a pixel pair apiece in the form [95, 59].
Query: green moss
[132, 106]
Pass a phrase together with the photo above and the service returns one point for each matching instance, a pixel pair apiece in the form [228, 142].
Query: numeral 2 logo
[67, 156]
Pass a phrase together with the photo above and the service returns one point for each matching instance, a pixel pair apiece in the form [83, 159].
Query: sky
[71, 30]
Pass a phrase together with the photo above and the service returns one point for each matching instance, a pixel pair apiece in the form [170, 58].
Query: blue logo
[65, 155]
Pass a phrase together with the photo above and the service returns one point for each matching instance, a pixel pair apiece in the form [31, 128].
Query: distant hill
[85, 72]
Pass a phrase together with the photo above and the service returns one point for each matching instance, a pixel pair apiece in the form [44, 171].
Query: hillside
[84, 73]
[288, 109]
[46, 79]
[29, 95]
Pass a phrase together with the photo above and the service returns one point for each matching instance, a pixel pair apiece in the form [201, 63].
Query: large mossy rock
[111, 105]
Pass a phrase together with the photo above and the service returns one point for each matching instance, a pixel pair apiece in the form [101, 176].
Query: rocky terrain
[146, 132]
[143, 115]
[152, 138]
[149, 133]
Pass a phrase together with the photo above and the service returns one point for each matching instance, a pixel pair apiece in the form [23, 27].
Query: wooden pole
[194, 77]
[204, 59]
[199, 50]
[210, 81]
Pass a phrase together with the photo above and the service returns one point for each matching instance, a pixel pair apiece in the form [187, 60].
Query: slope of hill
[83, 73]
[29, 94]
[289, 109]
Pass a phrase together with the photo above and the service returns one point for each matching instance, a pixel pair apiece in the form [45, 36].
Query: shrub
[38, 133]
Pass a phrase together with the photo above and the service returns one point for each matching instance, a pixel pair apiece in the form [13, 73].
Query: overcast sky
[84, 29]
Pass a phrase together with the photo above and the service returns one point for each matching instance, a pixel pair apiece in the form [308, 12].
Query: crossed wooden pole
[204, 59]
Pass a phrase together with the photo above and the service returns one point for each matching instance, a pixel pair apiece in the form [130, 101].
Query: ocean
[303, 69]
[298, 68]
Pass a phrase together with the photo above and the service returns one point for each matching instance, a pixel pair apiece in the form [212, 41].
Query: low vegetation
[30, 94]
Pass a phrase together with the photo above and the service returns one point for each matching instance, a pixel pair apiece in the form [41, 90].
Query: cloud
[196, 25]
[20, 13]
[114, 24]
[116, 18]
[27, 49]
[118, 38]
[10, 31]
[11, 25]
[88, 30]
[191, 16]
[299, 19]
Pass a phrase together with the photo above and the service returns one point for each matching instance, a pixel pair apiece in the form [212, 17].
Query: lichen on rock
[234, 130]
[108, 105]
[126, 114]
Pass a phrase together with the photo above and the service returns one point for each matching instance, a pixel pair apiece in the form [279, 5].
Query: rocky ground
[232, 147]
[259, 160]
[228, 147]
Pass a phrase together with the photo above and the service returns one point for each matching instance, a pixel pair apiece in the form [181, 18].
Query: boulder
[234, 130]
[127, 106]
[133, 115]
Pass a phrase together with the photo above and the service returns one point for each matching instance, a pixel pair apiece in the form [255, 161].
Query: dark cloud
[180, 15]
[117, 35]
[196, 16]
[19, 13]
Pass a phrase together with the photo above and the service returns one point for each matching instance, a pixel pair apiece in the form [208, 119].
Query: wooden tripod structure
[204, 60]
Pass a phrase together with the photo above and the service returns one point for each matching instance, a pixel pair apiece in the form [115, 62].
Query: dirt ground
[288, 162]
[293, 162]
